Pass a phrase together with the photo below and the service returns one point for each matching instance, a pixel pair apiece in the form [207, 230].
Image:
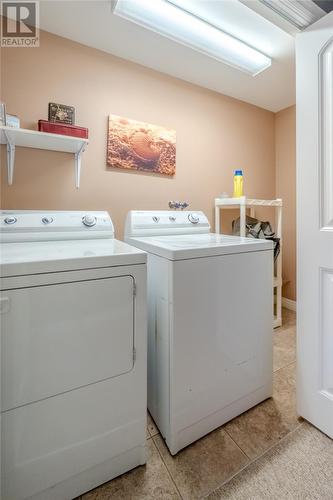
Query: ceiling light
[164, 18]
[300, 13]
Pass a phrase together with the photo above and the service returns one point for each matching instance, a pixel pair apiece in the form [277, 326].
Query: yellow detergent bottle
[238, 183]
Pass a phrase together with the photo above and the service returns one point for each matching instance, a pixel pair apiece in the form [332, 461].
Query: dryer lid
[38, 257]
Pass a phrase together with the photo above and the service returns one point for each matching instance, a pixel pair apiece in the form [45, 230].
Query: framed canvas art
[134, 145]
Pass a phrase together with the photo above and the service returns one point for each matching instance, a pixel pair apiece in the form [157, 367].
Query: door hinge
[134, 289]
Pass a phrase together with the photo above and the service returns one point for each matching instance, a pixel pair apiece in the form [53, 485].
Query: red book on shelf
[63, 129]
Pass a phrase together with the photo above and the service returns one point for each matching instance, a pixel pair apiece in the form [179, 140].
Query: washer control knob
[10, 220]
[89, 220]
[172, 218]
[155, 218]
[194, 218]
[47, 220]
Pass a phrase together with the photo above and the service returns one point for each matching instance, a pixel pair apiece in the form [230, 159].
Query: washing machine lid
[64, 241]
[190, 246]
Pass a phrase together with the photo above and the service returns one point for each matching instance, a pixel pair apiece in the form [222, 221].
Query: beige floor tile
[288, 318]
[202, 466]
[264, 425]
[299, 468]
[149, 482]
[153, 430]
[284, 347]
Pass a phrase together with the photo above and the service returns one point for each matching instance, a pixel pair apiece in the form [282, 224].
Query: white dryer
[73, 354]
[209, 322]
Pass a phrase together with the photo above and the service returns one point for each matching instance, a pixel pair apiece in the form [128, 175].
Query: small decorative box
[63, 129]
[61, 113]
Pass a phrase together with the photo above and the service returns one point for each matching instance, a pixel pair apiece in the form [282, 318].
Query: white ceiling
[92, 23]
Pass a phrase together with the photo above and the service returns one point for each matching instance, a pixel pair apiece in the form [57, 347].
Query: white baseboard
[289, 304]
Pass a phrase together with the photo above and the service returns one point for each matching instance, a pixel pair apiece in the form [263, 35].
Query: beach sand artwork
[134, 145]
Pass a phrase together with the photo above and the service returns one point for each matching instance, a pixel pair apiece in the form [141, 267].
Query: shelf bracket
[10, 159]
[78, 165]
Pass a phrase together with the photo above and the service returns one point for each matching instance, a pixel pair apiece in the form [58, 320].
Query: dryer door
[59, 337]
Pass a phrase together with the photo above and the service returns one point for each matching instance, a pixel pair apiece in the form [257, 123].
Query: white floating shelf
[13, 137]
[231, 202]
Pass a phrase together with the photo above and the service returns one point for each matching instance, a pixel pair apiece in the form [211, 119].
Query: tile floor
[265, 453]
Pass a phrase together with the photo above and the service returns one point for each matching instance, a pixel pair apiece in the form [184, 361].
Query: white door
[314, 58]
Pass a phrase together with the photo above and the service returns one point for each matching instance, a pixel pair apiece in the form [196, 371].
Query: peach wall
[285, 147]
[215, 133]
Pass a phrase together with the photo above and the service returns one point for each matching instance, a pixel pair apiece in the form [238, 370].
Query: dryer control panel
[165, 222]
[36, 225]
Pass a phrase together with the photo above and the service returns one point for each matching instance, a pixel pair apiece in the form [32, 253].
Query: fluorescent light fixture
[165, 18]
[300, 13]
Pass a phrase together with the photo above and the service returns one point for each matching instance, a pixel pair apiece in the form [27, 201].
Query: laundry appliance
[210, 319]
[73, 354]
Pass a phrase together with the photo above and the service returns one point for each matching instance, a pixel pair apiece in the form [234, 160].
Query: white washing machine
[73, 354]
[209, 322]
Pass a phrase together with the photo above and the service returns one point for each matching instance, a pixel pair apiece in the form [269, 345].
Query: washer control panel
[35, 225]
[159, 222]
